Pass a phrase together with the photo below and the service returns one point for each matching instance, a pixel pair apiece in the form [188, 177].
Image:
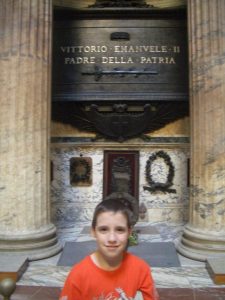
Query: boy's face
[111, 233]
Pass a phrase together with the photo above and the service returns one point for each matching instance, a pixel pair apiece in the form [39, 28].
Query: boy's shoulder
[134, 259]
[85, 262]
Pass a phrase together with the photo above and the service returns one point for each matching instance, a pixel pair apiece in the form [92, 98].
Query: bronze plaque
[121, 169]
[120, 59]
[81, 171]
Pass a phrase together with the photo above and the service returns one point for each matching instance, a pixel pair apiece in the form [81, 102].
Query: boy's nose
[112, 236]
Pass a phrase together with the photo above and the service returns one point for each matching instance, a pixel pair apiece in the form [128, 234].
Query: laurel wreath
[159, 186]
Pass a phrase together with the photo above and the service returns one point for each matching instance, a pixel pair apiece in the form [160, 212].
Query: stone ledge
[216, 269]
[12, 266]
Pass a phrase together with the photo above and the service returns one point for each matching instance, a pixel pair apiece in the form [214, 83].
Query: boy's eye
[102, 229]
[121, 229]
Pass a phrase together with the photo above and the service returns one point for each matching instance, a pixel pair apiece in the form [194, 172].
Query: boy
[110, 272]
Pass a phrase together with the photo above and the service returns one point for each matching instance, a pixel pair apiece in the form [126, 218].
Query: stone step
[216, 269]
[12, 266]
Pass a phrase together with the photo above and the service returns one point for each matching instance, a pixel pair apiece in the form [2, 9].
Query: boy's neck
[105, 263]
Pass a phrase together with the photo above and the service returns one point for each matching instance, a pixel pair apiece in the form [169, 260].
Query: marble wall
[75, 204]
[165, 206]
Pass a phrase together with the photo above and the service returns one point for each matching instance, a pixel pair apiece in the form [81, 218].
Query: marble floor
[43, 279]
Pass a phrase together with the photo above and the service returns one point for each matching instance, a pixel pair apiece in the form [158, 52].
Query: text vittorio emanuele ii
[146, 54]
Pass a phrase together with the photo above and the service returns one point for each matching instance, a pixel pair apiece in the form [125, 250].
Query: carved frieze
[119, 122]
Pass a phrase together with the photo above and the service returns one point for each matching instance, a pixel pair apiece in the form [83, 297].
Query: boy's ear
[130, 231]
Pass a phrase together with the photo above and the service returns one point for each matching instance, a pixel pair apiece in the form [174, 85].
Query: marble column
[204, 235]
[25, 81]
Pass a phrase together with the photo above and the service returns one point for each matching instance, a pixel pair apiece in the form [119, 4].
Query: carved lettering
[157, 60]
[86, 49]
[119, 50]
[117, 60]
[176, 49]
[142, 48]
[79, 60]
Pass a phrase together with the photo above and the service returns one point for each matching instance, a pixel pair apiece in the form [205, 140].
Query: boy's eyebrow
[120, 226]
[106, 226]
[101, 226]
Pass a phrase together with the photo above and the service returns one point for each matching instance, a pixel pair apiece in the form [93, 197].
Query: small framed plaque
[81, 171]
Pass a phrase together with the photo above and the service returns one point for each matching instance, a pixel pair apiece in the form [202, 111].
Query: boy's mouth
[112, 246]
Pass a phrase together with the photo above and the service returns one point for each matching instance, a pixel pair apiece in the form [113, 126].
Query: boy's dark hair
[113, 205]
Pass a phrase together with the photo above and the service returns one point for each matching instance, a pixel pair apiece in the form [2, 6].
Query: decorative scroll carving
[120, 3]
[159, 186]
[120, 123]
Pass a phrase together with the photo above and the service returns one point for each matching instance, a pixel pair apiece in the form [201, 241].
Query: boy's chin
[114, 252]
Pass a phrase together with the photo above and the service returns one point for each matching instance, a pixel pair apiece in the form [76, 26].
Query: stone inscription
[120, 54]
[89, 64]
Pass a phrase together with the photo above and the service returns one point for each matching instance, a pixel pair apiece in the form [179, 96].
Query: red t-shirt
[86, 281]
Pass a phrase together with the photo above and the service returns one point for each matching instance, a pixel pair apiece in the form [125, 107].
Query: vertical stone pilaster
[204, 236]
[25, 58]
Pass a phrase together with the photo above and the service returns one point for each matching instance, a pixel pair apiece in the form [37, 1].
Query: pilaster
[25, 57]
[204, 236]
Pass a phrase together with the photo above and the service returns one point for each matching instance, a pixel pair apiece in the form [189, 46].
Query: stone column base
[199, 245]
[37, 245]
